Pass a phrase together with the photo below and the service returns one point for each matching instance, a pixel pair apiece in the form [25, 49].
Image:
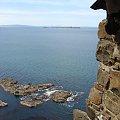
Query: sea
[62, 56]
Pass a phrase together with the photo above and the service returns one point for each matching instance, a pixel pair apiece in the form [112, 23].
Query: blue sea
[62, 56]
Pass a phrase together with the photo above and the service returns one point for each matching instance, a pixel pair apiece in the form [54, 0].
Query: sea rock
[33, 100]
[41, 87]
[3, 104]
[60, 96]
[22, 90]
[33, 93]
[31, 103]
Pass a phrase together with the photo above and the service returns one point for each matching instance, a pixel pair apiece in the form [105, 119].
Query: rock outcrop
[60, 96]
[103, 102]
[12, 86]
[32, 95]
[3, 104]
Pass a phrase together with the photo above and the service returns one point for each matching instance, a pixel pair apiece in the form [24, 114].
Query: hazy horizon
[17, 25]
[50, 13]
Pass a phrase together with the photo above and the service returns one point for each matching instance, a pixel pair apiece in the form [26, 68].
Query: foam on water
[49, 92]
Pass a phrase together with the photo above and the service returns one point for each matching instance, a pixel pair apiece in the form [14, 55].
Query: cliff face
[103, 102]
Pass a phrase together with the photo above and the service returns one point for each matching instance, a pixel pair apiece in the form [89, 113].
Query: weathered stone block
[80, 115]
[103, 76]
[116, 53]
[113, 97]
[96, 107]
[99, 86]
[105, 51]
[116, 66]
[116, 91]
[102, 33]
[109, 115]
[106, 114]
[114, 79]
[90, 112]
[118, 116]
[95, 96]
[112, 102]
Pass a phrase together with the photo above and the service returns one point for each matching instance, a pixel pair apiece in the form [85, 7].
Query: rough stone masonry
[103, 102]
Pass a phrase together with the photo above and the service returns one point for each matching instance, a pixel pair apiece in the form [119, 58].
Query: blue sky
[50, 13]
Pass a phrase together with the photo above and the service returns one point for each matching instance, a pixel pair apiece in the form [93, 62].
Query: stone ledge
[80, 115]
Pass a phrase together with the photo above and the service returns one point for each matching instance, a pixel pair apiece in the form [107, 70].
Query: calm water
[65, 57]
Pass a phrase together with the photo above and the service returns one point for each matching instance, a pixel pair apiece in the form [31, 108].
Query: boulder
[33, 100]
[60, 96]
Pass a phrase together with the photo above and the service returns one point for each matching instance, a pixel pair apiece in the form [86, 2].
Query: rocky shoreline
[32, 95]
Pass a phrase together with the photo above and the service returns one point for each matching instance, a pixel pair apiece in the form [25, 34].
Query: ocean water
[62, 56]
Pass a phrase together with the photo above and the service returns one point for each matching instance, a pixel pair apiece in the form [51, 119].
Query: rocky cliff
[103, 102]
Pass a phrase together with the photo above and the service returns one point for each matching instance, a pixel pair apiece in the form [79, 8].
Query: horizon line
[55, 26]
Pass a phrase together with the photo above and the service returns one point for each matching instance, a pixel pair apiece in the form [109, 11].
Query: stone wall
[103, 102]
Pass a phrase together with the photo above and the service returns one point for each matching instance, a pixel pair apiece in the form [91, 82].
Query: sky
[75, 13]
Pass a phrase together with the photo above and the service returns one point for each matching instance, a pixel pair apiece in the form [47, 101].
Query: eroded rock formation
[32, 95]
[12, 86]
[103, 102]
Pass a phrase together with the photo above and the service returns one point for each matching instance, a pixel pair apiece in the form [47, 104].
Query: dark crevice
[107, 85]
